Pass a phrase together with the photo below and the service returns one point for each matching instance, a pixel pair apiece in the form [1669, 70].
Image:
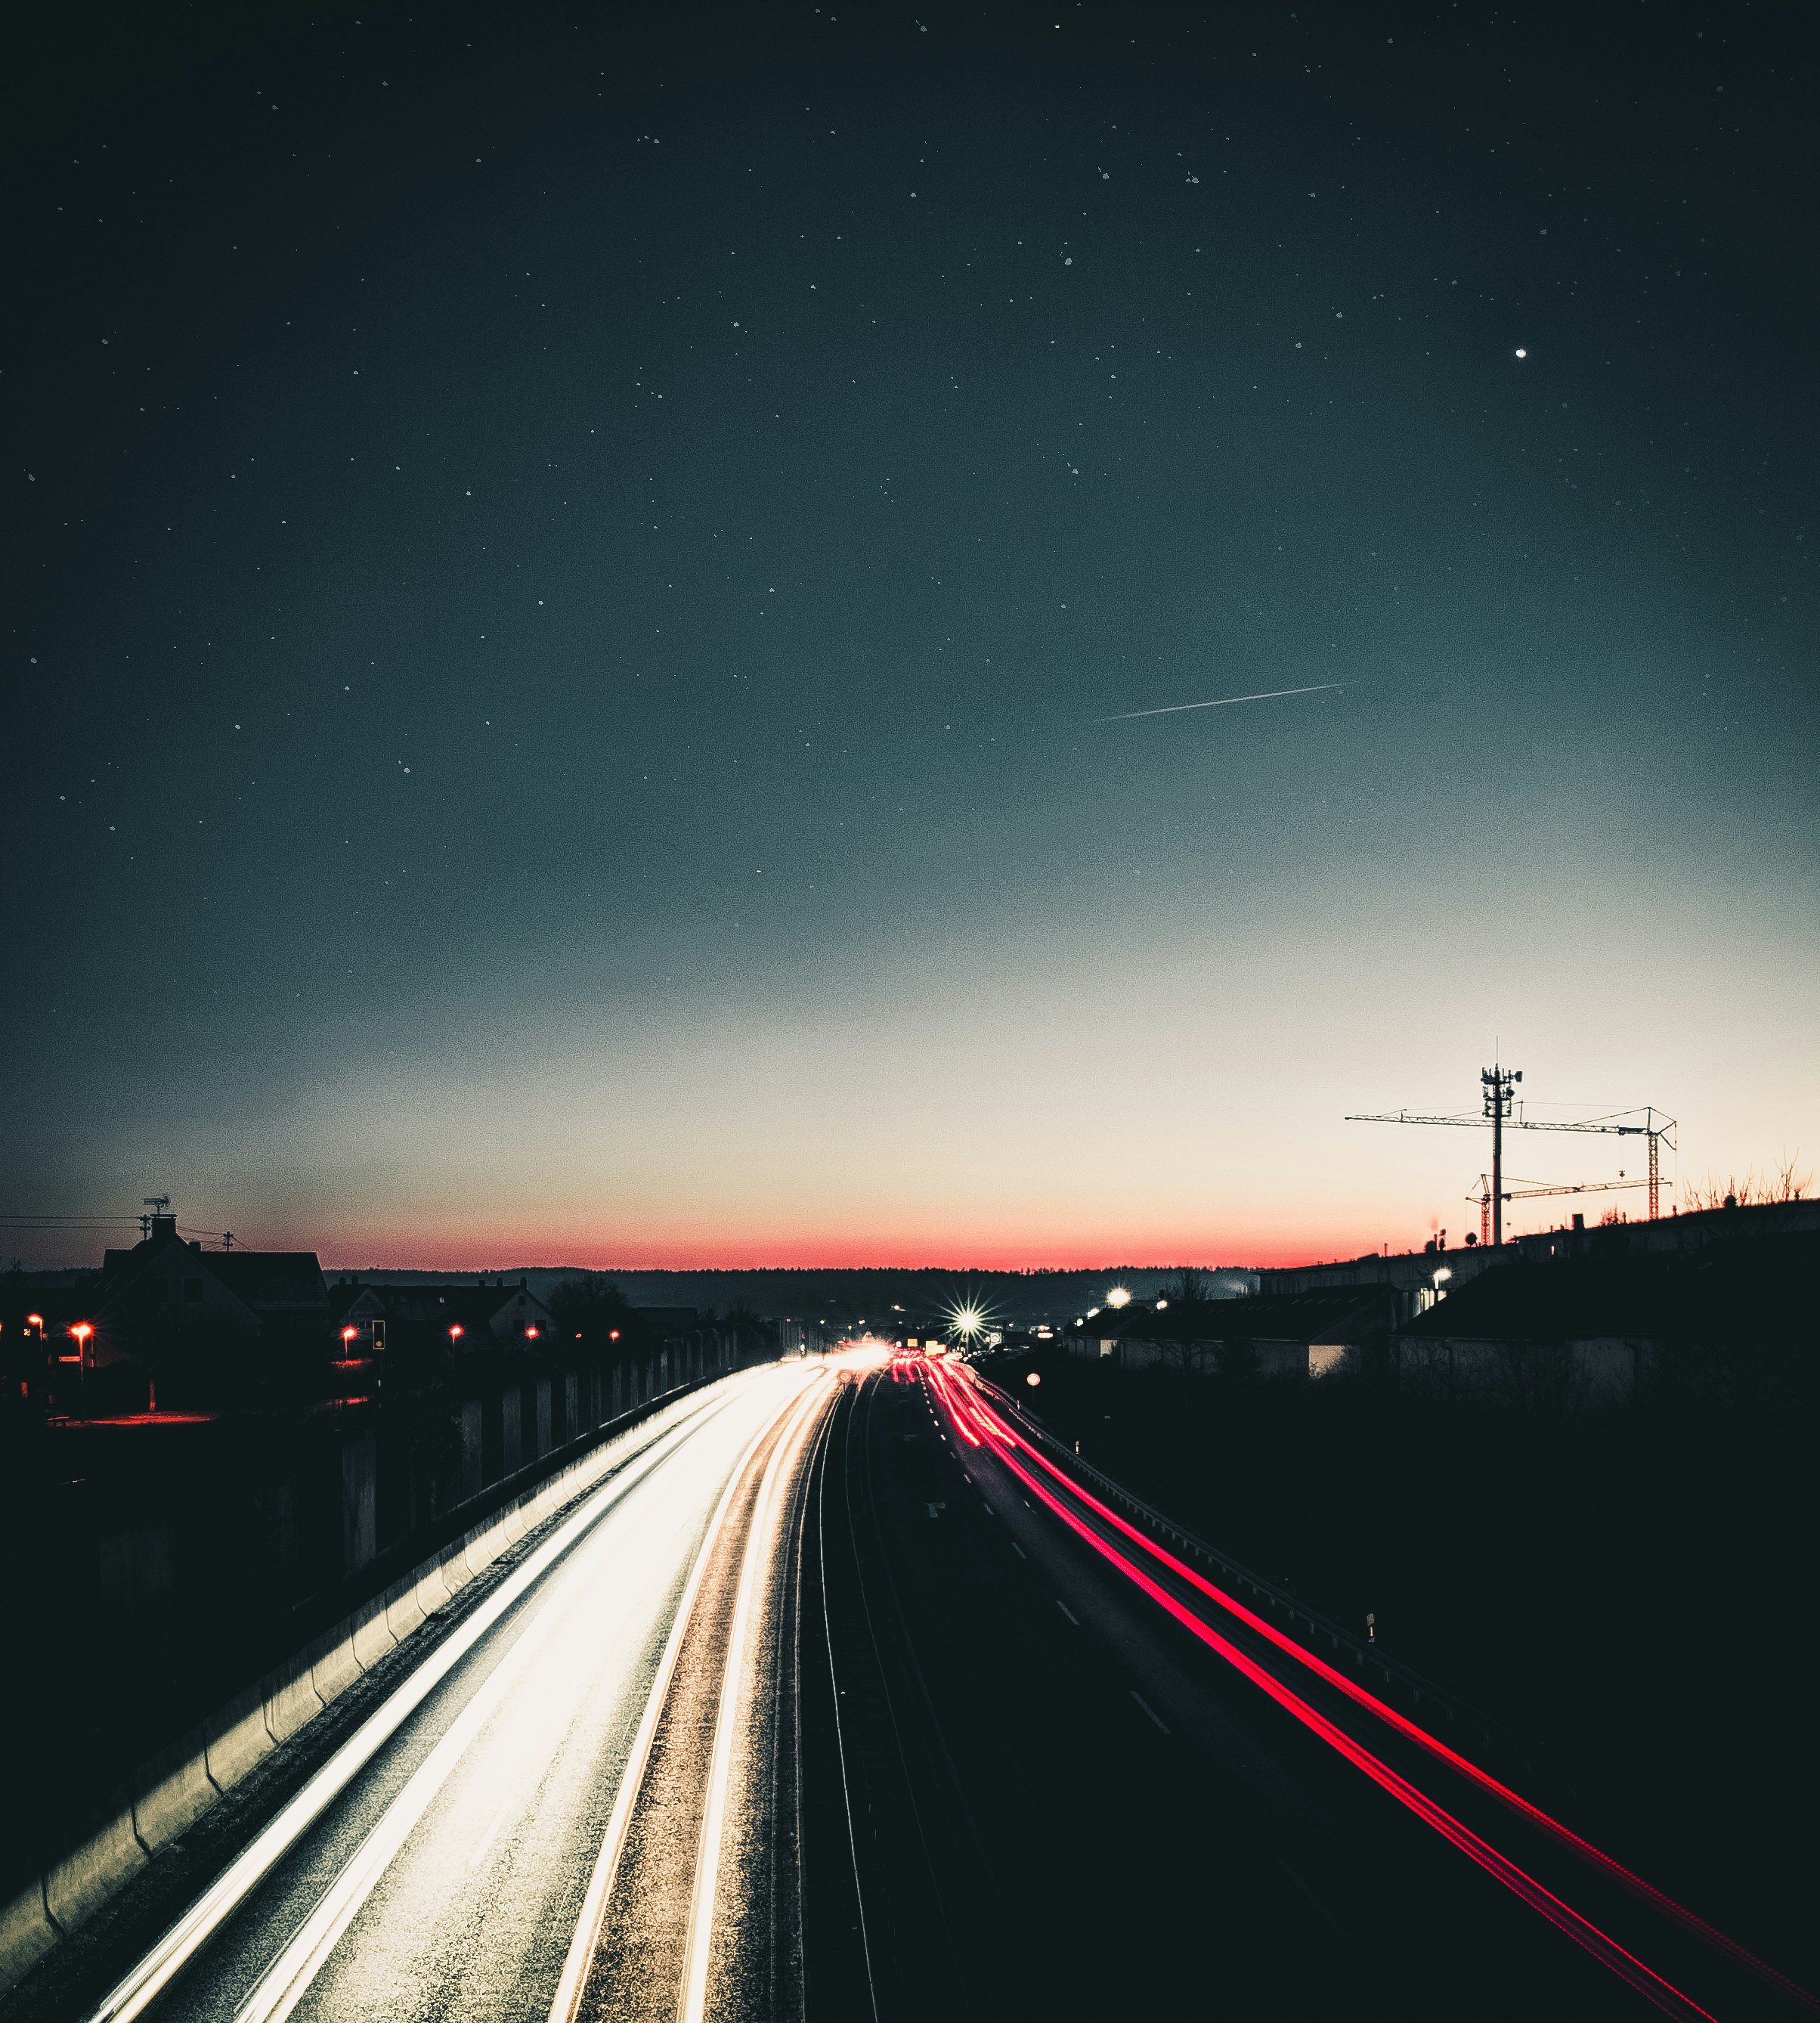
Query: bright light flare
[1118, 1297]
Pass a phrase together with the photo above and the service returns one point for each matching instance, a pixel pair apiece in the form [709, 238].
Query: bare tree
[1750, 1189]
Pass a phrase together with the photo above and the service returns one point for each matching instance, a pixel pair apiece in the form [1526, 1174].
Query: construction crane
[1497, 1087]
[1529, 1190]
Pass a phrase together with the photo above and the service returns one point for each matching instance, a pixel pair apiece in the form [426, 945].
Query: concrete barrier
[402, 1613]
[371, 1634]
[26, 1934]
[167, 1795]
[290, 1699]
[234, 1737]
[172, 1792]
[477, 1548]
[456, 1573]
[332, 1667]
[75, 1888]
[432, 1594]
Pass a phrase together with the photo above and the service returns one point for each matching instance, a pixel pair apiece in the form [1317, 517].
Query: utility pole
[1498, 1084]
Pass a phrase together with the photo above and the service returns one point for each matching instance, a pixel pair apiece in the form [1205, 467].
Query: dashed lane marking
[1150, 1710]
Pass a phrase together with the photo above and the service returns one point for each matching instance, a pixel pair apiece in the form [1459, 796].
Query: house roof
[264, 1281]
[441, 1303]
[269, 1279]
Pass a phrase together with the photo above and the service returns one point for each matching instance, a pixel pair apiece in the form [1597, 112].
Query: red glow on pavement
[146, 1419]
[1437, 1748]
[1603, 1948]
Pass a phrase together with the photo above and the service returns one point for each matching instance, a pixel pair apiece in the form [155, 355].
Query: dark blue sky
[567, 566]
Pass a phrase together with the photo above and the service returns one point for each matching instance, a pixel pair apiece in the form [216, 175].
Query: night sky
[568, 566]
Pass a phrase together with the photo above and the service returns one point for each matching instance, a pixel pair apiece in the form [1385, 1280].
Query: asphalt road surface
[581, 1817]
[842, 1699]
[1034, 1788]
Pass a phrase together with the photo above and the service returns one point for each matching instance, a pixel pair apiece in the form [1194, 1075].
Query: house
[1277, 1334]
[232, 1324]
[433, 1319]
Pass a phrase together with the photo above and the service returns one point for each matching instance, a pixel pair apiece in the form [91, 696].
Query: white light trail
[735, 1699]
[200, 1923]
[573, 1982]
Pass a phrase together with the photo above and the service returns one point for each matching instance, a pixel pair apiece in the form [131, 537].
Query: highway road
[576, 1807]
[844, 1697]
[1085, 1782]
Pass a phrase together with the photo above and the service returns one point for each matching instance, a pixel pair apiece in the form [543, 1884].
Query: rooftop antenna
[154, 1204]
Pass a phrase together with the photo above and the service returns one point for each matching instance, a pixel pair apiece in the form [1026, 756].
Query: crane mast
[1497, 1086]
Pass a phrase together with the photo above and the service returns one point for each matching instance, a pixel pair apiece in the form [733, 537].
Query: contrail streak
[1218, 702]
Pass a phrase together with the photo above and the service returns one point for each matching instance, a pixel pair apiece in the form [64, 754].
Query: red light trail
[1437, 1748]
[966, 1411]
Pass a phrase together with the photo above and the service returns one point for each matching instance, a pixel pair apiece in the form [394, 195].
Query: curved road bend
[589, 1816]
[1032, 1791]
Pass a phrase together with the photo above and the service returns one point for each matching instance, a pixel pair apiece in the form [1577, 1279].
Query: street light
[84, 1333]
[456, 1331]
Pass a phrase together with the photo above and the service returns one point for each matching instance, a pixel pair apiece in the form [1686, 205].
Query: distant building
[427, 1322]
[1422, 1279]
[1595, 1317]
[1307, 1334]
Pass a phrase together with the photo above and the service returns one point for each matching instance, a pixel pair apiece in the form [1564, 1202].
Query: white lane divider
[160, 1966]
[734, 1698]
[1150, 1710]
[582, 1947]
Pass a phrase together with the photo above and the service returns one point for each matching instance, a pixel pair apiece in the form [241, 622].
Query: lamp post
[84, 1333]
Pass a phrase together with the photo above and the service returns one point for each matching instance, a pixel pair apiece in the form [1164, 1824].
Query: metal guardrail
[1364, 1654]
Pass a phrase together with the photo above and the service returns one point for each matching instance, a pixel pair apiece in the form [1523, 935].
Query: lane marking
[1069, 1613]
[1150, 1710]
[493, 1826]
[1019, 1550]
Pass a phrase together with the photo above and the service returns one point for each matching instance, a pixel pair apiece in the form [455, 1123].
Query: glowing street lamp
[1118, 1297]
[84, 1333]
[456, 1331]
